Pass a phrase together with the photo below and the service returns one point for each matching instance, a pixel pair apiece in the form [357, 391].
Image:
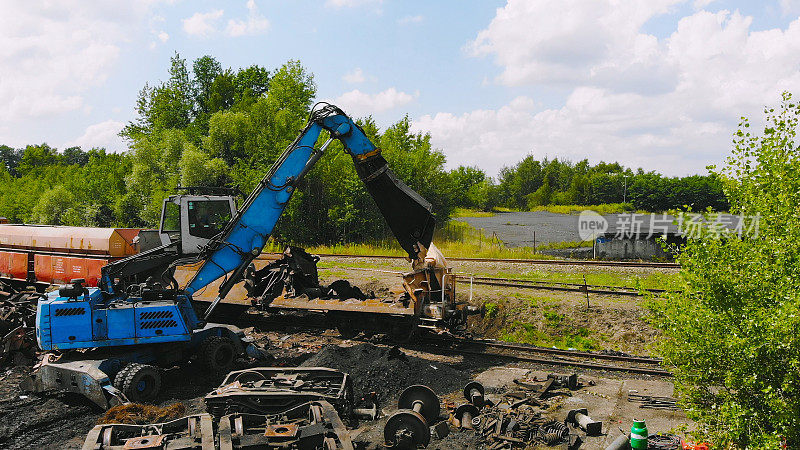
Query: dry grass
[138, 414]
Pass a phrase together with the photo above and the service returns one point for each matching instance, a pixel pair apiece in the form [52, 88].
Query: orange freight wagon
[55, 254]
[61, 269]
[14, 265]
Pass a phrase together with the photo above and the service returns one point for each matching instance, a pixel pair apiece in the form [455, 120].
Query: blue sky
[657, 84]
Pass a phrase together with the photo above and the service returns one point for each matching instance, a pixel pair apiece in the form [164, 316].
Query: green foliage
[70, 188]
[555, 334]
[731, 336]
[553, 319]
[491, 310]
[466, 212]
[608, 208]
[533, 184]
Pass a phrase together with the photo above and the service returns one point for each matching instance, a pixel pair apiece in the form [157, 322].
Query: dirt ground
[59, 421]
[535, 316]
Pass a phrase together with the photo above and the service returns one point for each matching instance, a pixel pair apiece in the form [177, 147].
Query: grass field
[456, 239]
[609, 208]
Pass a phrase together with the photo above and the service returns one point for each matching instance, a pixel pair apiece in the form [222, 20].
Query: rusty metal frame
[190, 432]
[271, 390]
[309, 426]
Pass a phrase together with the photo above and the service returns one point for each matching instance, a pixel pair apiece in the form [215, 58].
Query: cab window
[171, 221]
[208, 218]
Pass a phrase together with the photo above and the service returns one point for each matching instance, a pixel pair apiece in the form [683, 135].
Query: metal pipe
[620, 443]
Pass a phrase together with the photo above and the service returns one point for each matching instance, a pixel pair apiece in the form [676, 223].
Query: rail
[567, 262]
[611, 362]
[531, 284]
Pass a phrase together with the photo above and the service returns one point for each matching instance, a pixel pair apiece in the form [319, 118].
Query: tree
[37, 157]
[53, 206]
[74, 155]
[11, 159]
[206, 71]
[472, 187]
[168, 105]
[731, 335]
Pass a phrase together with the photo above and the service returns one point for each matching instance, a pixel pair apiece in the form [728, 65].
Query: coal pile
[388, 371]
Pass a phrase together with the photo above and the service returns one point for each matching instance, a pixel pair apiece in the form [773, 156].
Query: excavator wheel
[217, 354]
[139, 382]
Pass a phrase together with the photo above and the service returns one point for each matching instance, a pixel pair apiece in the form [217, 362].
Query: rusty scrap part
[648, 401]
[515, 421]
[465, 414]
[580, 418]
[272, 390]
[294, 275]
[191, 432]
[474, 393]
[312, 425]
[409, 426]
[17, 323]
[569, 381]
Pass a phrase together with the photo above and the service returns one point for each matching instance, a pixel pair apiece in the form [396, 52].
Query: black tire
[139, 382]
[217, 354]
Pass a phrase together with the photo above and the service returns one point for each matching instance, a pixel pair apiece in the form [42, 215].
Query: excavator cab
[193, 219]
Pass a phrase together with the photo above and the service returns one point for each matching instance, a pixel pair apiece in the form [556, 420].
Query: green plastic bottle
[639, 435]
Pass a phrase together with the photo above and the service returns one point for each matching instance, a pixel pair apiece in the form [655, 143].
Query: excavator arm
[409, 215]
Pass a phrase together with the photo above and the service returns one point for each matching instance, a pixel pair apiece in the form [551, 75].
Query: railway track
[564, 262]
[530, 284]
[611, 362]
[557, 286]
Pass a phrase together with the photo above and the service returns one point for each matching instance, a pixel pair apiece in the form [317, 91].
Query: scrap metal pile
[293, 275]
[17, 324]
[515, 419]
[268, 407]
[308, 426]
[427, 298]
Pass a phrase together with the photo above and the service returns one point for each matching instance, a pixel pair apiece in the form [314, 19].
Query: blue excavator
[110, 343]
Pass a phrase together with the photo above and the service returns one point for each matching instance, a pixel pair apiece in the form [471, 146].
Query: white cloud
[103, 134]
[667, 104]
[700, 4]
[790, 6]
[163, 36]
[52, 53]
[255, 23]
[202, 24]
[564, 41]
[358, 103]
[355, 77]
[407, 20]
[350, 3]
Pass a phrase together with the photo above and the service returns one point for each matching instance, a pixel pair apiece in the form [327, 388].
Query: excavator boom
[409, 215]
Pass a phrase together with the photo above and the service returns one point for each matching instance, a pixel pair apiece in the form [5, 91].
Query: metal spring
[556, 427]
[552, 438]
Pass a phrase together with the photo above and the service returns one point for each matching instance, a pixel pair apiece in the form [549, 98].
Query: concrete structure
[655, 236]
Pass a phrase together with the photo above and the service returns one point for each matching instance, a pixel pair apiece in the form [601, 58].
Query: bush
[731, 335]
